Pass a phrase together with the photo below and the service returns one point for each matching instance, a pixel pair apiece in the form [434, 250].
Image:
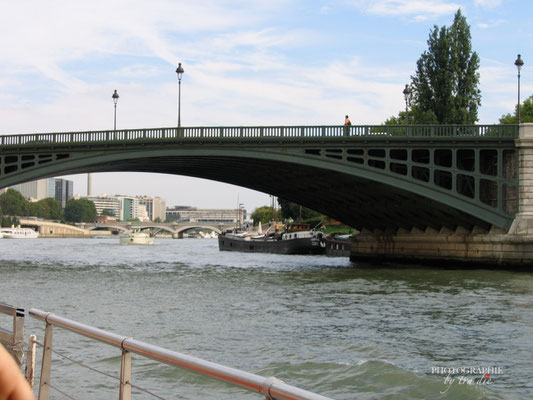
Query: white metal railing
[13, 340]
[271, 388]
[278, 132]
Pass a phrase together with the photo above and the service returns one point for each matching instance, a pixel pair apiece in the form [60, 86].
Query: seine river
[341, 329]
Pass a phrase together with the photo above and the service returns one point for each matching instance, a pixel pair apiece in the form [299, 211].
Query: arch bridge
[175, 229]
[369, 177]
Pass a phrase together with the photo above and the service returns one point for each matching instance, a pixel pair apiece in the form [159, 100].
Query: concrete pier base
[448, 248]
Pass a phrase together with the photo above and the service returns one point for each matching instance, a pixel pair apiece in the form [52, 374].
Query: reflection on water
[327, 325]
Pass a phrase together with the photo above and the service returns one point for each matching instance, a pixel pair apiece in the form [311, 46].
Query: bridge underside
[356, 201]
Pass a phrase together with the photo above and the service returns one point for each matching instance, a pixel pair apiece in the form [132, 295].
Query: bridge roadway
[383, 180]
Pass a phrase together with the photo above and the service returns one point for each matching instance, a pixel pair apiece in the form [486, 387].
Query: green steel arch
[368, 177]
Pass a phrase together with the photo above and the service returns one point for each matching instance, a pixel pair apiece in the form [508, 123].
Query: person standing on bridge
[347, 124]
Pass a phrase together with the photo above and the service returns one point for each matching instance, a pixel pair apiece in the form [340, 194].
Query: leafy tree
[53, 209]
[13, 203]
[293, 210]
[445, 85]
[108, 212]
[526, 113]
[48, 208]
[36, 209]
[9, 221]
[81, 210]
[264, 214]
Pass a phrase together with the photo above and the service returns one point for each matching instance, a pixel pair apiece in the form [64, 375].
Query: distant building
[155, 207]
[105, 202]
[122, 207]
[129, 208]
[37, 190]
[214, 215]
[64, 191]
[143, 214]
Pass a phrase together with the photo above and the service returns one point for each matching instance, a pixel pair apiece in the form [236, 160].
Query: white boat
[18, 233]
[136, 237]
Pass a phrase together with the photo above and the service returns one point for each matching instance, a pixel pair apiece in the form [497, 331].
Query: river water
[341, 329]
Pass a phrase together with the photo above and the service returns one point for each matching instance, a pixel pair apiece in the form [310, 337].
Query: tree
[81, 210]
[526, 113]
[108, 212]
[445, 85]
[264, 214]
[294, 211]
[53, 209]
[13, 203]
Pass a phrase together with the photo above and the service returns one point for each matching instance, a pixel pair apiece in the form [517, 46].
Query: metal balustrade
[271, 388]
[277, 132]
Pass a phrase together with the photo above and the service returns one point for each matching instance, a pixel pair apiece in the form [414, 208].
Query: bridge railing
[277, 132]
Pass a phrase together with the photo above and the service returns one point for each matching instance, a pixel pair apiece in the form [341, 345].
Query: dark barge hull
[338, 248]
[291, 246]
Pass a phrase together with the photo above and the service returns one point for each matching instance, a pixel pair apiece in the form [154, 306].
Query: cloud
[491, 23]
[417, 9]
[488, 3]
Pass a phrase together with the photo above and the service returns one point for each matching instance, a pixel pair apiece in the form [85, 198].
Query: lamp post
[115, 101]
[518, 62]
[407, 95]
[179, 71]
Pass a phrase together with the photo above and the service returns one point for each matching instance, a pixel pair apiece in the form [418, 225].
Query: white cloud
[491, 23]
[417, 9]
[488, 3]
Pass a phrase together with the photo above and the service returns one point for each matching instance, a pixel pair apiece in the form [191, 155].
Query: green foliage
[81, 210]
[290, 210]
[7, 222]
[526, 113]
[445, 85]
[52, 209]
[264, 214]
[108, 212]
[13, 203]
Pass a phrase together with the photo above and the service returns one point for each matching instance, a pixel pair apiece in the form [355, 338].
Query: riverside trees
[445, 85]
[526, 113]
[13, 203]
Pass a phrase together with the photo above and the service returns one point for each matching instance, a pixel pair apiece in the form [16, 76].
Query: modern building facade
[156, 207]
[37, 190]
[213, 215]
[122, 207]
[64, 191]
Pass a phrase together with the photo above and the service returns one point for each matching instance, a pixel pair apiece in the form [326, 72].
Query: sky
[246, 62]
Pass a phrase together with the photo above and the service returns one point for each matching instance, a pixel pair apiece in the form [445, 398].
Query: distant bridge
[370, 177]
[176, 229]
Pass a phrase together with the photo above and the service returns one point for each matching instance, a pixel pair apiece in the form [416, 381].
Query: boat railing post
[18, 335]
[46, 365]
[125, 376]
[30, 360]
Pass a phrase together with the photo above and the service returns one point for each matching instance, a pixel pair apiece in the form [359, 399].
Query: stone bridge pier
[493, 248]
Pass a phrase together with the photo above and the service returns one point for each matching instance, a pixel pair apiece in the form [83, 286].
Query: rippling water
[343, 330]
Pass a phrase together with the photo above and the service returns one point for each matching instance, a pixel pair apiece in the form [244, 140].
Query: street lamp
[518, 62]
[180, 72]
[407, 95]
[115, 101]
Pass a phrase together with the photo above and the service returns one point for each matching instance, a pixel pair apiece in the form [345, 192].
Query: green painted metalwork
[436, 131]
[374, 177]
